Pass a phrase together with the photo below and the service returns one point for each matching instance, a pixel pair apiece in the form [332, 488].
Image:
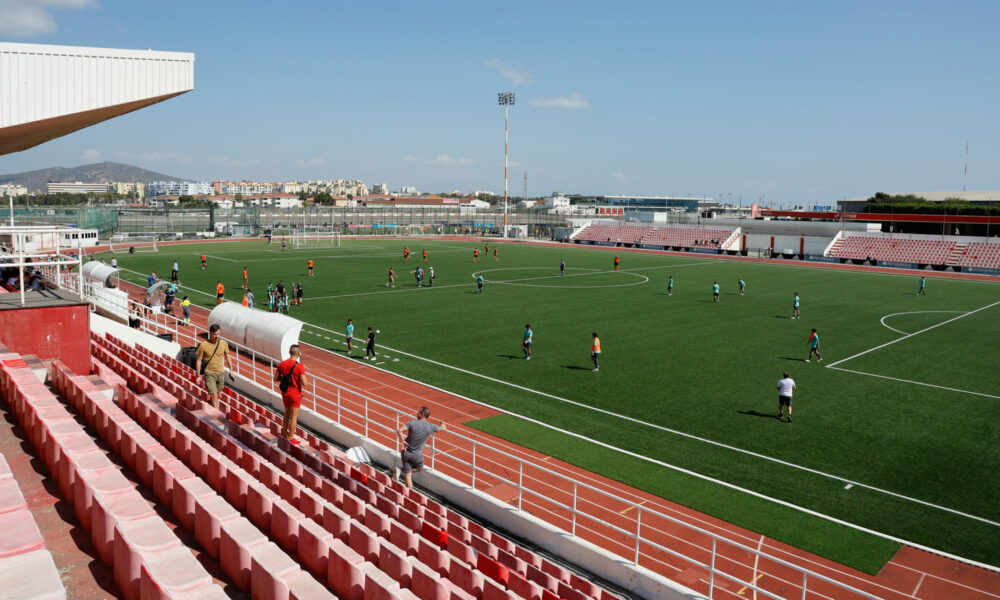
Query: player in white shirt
[786, 387]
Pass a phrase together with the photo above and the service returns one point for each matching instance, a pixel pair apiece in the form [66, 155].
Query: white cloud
[574, 101]
[26, 18]
[516, 74]
[176, 157]
[90, 155]
[312, 162]
[410, 158]
[444, 160]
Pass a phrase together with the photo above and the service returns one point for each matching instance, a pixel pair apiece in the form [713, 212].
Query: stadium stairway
[350, 526]
[956, 254]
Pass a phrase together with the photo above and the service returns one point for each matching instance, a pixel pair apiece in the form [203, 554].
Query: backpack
[286, 380]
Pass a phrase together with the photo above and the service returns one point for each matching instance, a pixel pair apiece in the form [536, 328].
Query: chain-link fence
[256, 221]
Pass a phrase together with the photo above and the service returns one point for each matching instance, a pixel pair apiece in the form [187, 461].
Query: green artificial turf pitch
[924, 460]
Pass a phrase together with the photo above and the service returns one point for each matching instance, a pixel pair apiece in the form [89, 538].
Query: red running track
[912, 573]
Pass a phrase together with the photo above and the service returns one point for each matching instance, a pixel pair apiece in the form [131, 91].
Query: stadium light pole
[506, 100]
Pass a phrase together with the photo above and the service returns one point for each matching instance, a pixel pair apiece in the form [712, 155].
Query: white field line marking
[909, 335]
[940, 387]
[685, 435]
[685, 516]
[336, 256]
[912, 312]
[216, 256]
[719, 482]
[468, 285]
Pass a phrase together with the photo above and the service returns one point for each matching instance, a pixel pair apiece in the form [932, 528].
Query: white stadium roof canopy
[50, 91]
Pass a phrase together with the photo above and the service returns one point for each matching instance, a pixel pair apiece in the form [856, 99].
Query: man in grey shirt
[413, 436]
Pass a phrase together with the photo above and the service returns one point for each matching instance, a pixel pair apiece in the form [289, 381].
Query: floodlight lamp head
[505, 98]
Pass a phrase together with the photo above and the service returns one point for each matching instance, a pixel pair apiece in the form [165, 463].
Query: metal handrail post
[575, 495]
[638, 538]
[474, 446]
[520, 483]
[711, 577]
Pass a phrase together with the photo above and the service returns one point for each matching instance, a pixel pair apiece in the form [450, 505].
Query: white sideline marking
[216, 256]
[909, 335]
[940, 387]
[737, 488]
[708, 441]
[682, 434]
[704, 477]
[912, 312]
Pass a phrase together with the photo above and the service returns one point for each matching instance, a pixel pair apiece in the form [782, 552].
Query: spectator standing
[213, 355]
[786, 386]
[413, 436]
[290, 375]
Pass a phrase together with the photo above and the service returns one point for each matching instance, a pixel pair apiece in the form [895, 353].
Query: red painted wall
[61, 332]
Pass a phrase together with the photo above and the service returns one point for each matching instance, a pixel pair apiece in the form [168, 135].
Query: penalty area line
[909, 335]
[940, 387]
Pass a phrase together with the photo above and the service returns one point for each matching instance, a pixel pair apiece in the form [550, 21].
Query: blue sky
[798, 102]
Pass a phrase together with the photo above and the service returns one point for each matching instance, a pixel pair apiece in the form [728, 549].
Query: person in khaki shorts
[214, 354]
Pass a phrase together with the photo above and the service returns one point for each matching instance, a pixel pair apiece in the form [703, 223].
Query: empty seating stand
[287, 518]
[911, 250]
[26, 567]
[616, 234]
[148, 559]
[686, 237]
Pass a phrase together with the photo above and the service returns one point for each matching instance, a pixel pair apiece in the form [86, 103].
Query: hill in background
[103, 172]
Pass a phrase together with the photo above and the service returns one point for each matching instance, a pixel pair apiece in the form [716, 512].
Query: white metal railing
[471, 460]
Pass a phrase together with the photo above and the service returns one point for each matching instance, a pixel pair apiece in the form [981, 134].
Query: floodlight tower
[506, 100]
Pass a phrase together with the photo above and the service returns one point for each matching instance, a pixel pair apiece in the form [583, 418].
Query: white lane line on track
[909, 335]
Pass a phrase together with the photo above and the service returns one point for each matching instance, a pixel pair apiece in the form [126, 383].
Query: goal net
[316, 237]
[122, 244]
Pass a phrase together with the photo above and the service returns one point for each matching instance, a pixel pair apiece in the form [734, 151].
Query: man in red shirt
[293, 373]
